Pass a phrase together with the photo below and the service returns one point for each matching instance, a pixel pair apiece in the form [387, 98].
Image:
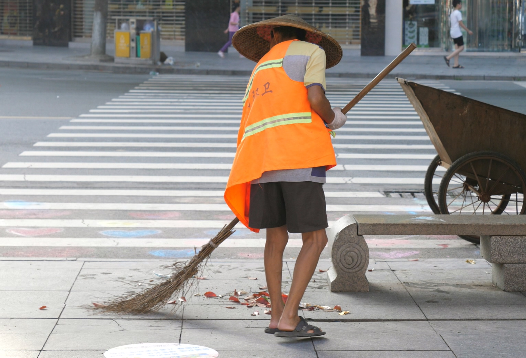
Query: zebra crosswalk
[148, 169]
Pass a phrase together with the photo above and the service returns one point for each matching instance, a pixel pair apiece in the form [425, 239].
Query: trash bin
[137, 40]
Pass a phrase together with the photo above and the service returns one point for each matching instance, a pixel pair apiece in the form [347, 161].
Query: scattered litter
[209, 294]
[471, 262]
[242, 292]
[262, 301]
[323, 270]
[153, 73]
[201, 278]
[414, 260]
[267, 311]
[326, 308]
[182, 299]
[263, 288]
[234, 299]
[43, 308]
[197, 294]
[169, 61]
[230, 308]
[344, 313]
[338, 308]
[255, 313]
[252, 278]
[98, 305]
[371, 270]
[174, 302]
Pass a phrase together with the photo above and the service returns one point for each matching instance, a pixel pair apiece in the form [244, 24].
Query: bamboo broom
[154, 298]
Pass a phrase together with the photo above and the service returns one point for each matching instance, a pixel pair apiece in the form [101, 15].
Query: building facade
[498, 25]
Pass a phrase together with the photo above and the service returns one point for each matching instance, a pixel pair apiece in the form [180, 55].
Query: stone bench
[503, 243]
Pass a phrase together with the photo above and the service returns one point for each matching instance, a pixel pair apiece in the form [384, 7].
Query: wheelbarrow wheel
[430, 192]
[482, 183]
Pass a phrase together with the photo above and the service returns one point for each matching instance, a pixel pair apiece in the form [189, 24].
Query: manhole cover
[161, 350]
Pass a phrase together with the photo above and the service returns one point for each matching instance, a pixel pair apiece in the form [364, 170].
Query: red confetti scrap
[210, 294]
[234, 299]
[43, 308]
[262, 300]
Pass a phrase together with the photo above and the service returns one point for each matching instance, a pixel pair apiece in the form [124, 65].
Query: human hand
[339, 119]
[226, 31]
[470, 32]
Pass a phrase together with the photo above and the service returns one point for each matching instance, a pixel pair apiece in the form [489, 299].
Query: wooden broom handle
[379, 77]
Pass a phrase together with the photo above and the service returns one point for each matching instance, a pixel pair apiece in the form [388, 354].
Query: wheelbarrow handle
[379, 77]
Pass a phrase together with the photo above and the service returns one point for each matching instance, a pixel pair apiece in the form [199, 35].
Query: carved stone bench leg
[350, 257]
[508, 257]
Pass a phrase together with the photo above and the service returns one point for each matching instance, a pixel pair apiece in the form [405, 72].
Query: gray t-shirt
[316, 175]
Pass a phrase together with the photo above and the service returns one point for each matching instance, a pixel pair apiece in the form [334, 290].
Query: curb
[134, 69]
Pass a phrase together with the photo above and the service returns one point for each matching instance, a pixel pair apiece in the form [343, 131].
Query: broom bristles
[154, 298]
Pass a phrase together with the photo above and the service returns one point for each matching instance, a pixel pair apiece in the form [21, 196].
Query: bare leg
[275, 245]
[455, 54]
[313, 244]
[459, 49]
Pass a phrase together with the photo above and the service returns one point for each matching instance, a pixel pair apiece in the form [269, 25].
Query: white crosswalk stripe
[151, 166]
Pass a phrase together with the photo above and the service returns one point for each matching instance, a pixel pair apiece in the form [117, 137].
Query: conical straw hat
[253, 41]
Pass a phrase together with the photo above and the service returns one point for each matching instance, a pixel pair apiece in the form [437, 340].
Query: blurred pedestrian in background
[233, 26]
[456, 34]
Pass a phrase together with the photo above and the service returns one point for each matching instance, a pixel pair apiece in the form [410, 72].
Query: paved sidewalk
[416, 308]
[430, 65]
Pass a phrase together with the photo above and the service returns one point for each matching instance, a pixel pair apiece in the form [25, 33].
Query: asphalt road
[139, 171]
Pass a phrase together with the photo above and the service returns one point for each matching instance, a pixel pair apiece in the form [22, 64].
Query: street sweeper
[284, 149]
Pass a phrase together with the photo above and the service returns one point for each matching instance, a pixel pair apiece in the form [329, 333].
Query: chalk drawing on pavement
[176, 254]
[30, 232]
[32, 214]
[155, 215]
[130, 233]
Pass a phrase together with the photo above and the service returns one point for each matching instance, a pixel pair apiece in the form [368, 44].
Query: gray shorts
[298, 205]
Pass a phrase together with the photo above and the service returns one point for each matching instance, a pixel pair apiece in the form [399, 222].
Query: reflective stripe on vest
[264, 66]
[282, 120]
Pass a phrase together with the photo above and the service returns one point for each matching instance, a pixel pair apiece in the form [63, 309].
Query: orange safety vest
[278, 130]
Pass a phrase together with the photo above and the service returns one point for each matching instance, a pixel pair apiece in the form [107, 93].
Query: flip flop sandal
[459, 66]
[271, 330]
[301, 330]
[447, 61]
